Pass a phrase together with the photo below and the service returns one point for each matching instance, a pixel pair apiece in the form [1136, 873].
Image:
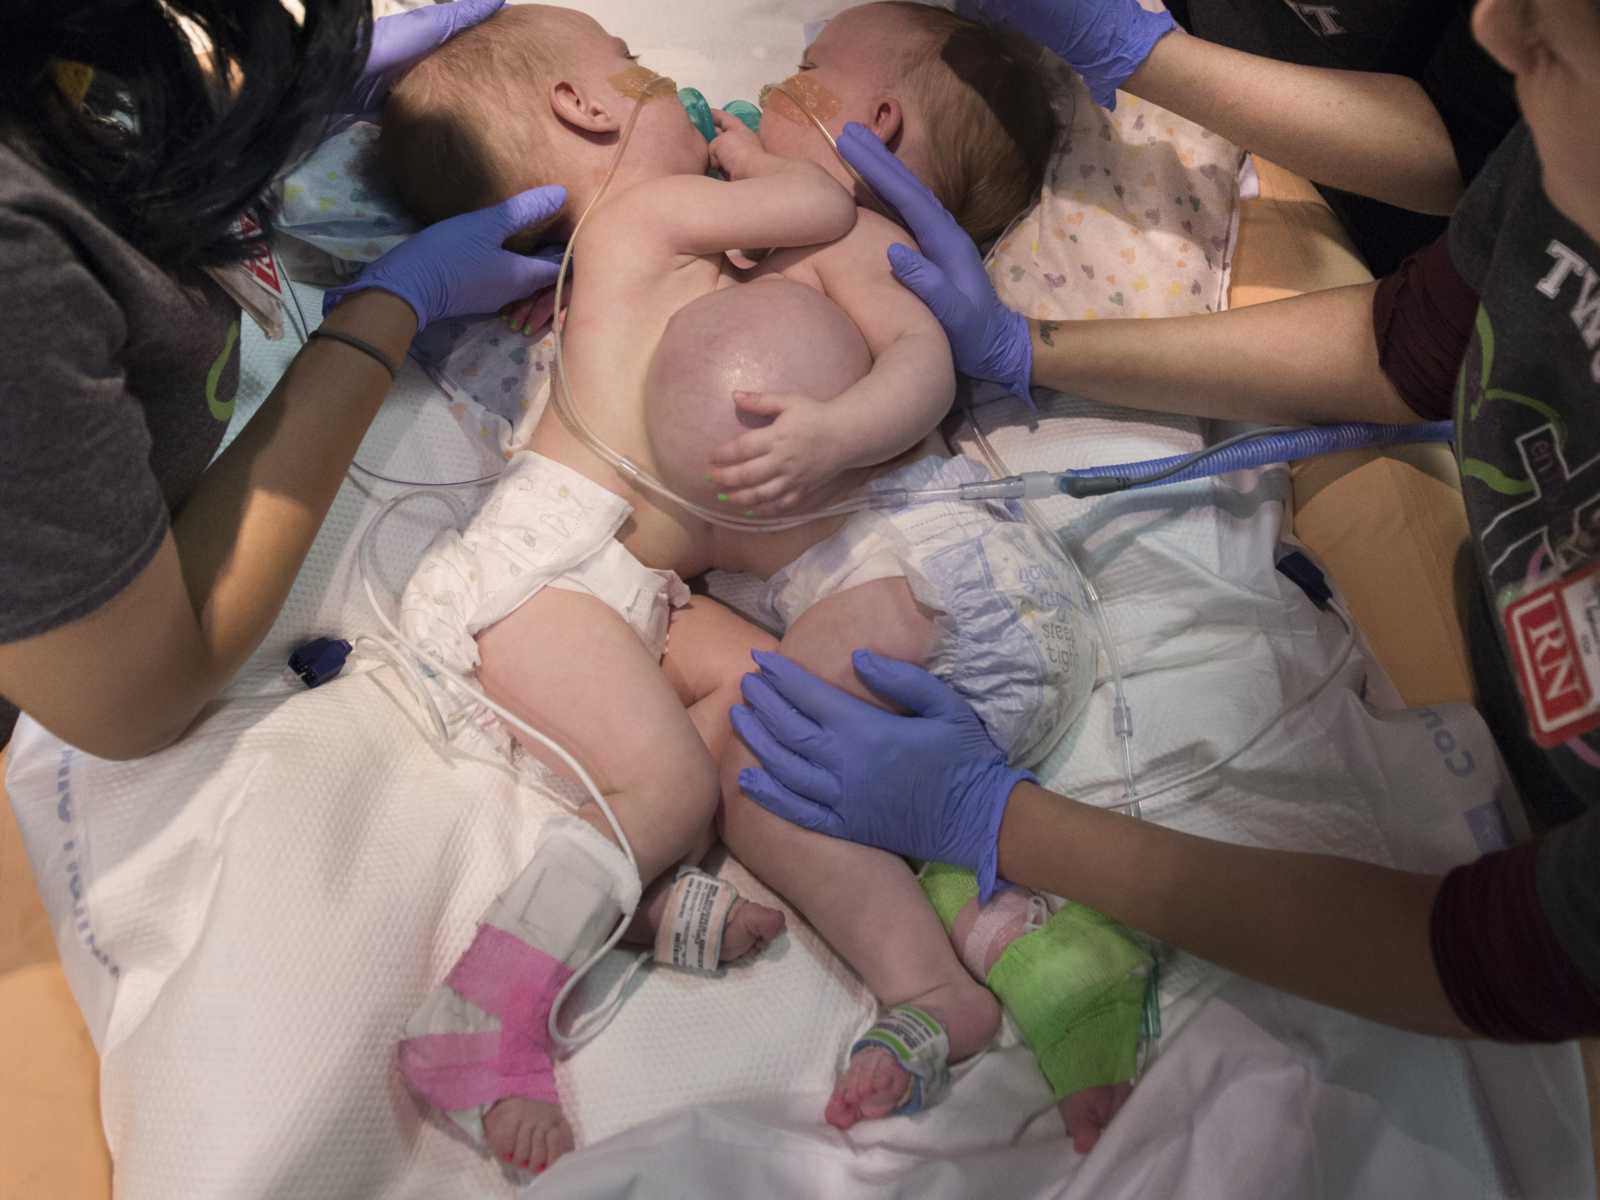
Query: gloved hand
[1105, 41]
[458, 266]
[932, 785]
[989, 341]
[398, 41]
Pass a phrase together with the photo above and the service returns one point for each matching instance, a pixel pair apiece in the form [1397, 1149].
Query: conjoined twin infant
[778, 387]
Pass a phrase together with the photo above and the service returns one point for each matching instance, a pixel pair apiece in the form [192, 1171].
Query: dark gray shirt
[116, 385]
[1527, 410]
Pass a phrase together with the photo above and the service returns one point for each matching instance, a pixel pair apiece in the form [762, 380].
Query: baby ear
[888, 120]
[582, 109]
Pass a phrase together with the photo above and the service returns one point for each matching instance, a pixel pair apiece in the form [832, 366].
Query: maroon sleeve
[1503, 968]
[1422, 315]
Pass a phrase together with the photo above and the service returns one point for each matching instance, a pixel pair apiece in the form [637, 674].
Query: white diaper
[1009, 633]
[544, 525]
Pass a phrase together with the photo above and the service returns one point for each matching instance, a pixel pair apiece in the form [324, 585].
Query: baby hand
[772, 469]
[530, 315]
[736, 151]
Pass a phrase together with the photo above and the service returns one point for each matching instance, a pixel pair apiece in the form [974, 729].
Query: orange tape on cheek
[805, 92]
[636, 83]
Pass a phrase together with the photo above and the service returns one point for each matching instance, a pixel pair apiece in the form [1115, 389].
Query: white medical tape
[690, 935]
[1006, 916]
[570, 895]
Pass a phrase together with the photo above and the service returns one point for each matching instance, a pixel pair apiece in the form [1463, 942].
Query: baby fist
[736, 149]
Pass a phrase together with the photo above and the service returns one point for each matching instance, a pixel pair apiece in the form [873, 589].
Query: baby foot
[682, 904]
[1087, 1113]
[1076, 985]
[872, 1086]
[479, 1041]
[750, 928]
[527, 1133]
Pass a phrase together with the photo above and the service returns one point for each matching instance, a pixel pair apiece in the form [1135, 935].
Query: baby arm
[899, 402]
[767, 201]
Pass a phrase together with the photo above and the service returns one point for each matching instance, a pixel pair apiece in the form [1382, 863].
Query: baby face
[844, 76]
[602, 65]
[1552, 48]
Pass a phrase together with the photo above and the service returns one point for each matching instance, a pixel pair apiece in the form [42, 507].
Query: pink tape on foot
[514, 982]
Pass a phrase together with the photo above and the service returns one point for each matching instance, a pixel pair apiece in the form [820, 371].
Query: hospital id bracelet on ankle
[366, 348]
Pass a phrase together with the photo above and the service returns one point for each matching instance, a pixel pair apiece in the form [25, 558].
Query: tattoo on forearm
[1047, 332]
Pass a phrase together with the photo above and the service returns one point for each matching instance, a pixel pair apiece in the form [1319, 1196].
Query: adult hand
[460, 266]
[932, 785]
[1105, 41]
[400, 40]
[989, 341]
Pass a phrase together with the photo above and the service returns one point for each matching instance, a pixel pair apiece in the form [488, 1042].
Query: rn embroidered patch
[1554, 634]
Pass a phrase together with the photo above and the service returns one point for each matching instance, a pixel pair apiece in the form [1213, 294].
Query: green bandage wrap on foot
[1076, 987]
[948, 889]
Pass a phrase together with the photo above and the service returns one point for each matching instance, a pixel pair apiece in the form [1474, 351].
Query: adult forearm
[1342, 933]
[1372, 134]
[247, 527]
[1307, 358]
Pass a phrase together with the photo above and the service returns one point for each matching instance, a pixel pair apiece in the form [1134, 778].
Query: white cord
[583, 1030]
[1261, 731]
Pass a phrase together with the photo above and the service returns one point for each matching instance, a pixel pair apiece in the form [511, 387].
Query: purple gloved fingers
[988, 340]
[399, 41]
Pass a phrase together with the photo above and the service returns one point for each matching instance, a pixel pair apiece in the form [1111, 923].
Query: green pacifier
[700, 112]
[746, 112]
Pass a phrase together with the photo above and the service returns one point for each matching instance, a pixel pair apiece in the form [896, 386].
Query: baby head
[964, 106]
[536, 94]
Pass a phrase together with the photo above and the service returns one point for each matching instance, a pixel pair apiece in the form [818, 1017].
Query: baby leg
[614, 711]
[866, 903]
[708, 652]
[1074, 983]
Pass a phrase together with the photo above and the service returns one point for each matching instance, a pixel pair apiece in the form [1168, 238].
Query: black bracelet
[366, 348]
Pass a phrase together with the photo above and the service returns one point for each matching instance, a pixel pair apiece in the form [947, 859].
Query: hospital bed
[51, 1133]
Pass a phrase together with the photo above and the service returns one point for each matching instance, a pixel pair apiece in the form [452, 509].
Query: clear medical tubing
[1283, 446]
[1121, 713]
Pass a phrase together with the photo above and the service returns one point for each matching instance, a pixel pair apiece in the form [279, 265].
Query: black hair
[167, 147]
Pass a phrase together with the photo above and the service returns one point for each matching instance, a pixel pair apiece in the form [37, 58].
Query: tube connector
[1122, 719]
[1080, 487]
[1031, 485]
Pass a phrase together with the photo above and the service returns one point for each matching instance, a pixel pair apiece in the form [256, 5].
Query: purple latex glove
[932, 785]
[1105, 41]
[398, 41]
[459, 266]
[989, 341]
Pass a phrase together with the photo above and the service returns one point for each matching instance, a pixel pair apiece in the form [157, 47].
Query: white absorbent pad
[249, 919]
